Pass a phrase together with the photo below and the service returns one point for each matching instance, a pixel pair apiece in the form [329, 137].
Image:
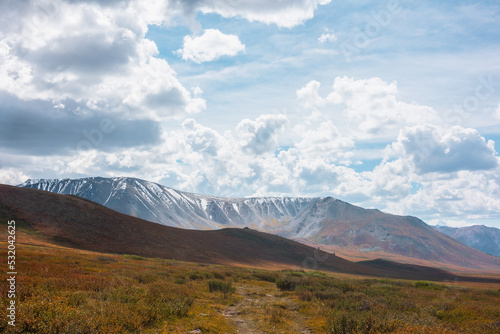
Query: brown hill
[76, 222]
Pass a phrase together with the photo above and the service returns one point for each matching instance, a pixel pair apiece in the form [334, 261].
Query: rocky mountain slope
[484, 238]
[323, 221]
[159, 204]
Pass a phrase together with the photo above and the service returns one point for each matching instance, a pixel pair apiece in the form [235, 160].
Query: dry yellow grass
[64, 290]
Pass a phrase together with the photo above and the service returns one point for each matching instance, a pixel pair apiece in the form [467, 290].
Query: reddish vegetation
[72, 221]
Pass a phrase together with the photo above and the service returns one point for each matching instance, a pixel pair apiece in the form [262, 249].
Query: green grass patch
[429, 285]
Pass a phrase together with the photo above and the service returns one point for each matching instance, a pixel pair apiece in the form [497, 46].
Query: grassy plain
[64, 290]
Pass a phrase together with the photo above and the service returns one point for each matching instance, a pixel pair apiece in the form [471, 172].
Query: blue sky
[393, 105]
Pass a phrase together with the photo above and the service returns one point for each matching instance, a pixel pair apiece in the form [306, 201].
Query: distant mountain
[323, 221]
[72, 221]
[484, 238]
[156, 203]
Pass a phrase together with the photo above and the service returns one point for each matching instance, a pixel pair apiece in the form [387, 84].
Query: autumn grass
[226, 288]
[391, 306]
[62, 290]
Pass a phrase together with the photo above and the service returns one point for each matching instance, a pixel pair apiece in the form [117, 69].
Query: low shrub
[428, 285]
[316, 274]
[341, 325]
[196, 275]
[348, 323]
[180, 280]
[287, 283]
[133, 257]
[265, 276]
[297, 273]
[225, 287]
[106, 259]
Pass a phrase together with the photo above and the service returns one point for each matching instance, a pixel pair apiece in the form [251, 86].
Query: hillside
[325, 221]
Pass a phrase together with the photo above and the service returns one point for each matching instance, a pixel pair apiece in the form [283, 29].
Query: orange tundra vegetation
[65, 290]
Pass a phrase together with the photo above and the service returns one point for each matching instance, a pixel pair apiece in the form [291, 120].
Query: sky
[392, 105]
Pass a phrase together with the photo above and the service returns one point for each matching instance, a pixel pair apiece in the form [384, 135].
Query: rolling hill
[324, 221]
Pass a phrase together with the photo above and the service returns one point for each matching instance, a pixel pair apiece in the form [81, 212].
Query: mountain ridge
[201, 205]
[484, 238]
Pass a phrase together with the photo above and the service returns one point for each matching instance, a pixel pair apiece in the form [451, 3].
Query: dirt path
[264, 309]
[241, 323]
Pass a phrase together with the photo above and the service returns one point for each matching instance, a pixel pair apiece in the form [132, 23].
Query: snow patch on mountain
[168, 206]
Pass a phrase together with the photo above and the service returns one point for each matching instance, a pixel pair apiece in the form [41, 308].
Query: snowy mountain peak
[168, 206]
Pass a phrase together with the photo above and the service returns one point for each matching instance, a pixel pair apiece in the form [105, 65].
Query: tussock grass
[226, 288]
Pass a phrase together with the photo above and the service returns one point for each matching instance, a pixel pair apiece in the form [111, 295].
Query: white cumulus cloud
[283, 13]
[373, 108]
[324, 140]
[98, 57]
[66, 65]
[436, 149]
[259, 136]
[211, 45]
[466, 195]
[308, 95]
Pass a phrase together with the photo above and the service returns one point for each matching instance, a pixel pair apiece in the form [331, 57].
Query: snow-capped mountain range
[322, 220]
[167, 206]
